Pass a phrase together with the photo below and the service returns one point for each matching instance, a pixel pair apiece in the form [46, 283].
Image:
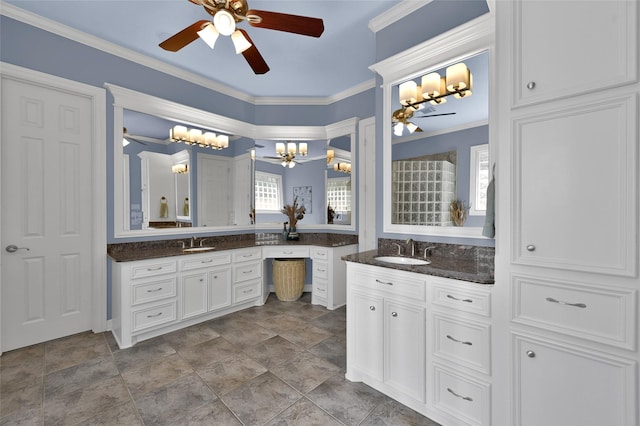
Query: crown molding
[65, 31]
[396, 13]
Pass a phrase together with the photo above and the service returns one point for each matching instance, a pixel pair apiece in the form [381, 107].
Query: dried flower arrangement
[459, 212]
[294, 212]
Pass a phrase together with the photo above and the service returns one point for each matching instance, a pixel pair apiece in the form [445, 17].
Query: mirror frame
[132, 100]
[453, 46]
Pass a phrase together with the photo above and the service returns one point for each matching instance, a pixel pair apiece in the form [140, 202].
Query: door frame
[99, 180]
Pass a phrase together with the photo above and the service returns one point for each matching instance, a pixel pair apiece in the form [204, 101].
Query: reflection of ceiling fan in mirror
[400, 119]
[127, 138]
[226, 13]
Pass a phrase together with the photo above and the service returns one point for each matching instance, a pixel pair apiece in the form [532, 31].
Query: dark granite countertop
[127, 252]
[466, 268]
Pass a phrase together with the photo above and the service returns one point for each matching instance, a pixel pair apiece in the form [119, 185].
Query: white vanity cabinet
[157, 296]
[329, 275]
[386, 331]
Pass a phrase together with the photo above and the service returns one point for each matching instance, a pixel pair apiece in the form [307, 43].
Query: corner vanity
[159, 287]
[421, 334]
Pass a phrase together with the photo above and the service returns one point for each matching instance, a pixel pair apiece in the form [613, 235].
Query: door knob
[12, 248]
[531, 247]
[531, 354]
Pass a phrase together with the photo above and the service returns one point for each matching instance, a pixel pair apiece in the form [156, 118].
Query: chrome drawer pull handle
[458, 341]
[287, 252]
[577, 305]
[460, 300]
[247, 291]
[153, 291]
[247, 255]
[321, 289]
[382, 282]
[466, 398]
[247, 272]
[206, 261]
[154, 315]
[154, 269]
[321, 270]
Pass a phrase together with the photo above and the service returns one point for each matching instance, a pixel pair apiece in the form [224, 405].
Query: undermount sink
[399, 260]
[195, 249]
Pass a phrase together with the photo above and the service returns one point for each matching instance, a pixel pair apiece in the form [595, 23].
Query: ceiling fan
[226, 13]
[128, 137]
[400, 118]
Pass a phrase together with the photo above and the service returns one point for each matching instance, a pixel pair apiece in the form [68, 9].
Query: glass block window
[339, 194]
[268, 191]
[479, 179]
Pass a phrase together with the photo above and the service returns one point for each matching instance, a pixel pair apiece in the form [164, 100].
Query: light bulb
[240, 41]
[209, 34]
[224, 22]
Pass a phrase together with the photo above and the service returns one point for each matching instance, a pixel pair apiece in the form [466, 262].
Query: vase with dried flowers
[459, 212]
[295, 213]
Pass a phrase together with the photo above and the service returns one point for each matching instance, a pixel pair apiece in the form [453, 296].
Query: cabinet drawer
[394, 282]
[204, 261]
[247, 291]
[285, 251]
[465, 343]
[319, 253]
[155, 290]
[320, 287]
[150, 269]
[468, 298]
[320, 270]
[462, 398]
[151, 317]
[248, 271]
[245, 255]
[602, 314]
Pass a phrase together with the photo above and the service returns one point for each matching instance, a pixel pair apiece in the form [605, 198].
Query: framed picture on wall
[303, 193]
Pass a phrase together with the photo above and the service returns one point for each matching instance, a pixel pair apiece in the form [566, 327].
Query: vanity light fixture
[288, 152]
[457, 81]
[196, 137]
[180, 169]
[342, 167]
[330, 155]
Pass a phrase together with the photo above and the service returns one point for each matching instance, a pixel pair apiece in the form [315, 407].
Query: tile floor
[279, 364]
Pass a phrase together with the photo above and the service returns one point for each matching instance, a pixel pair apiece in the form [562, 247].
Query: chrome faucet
[399, 248]
[193, 241]
[427, 251]
[183, 244]
[202, 241]
[412, 244]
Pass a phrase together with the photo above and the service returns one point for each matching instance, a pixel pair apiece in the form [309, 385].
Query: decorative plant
[459, 212]
[294, 212]
[331, 213]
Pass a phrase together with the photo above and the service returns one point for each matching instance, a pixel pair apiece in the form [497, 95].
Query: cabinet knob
[394, 314]
[531, 85]
[372, 308]
[531, 247]
[531, 354]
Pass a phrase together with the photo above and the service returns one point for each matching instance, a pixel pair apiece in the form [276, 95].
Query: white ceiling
[301, 66]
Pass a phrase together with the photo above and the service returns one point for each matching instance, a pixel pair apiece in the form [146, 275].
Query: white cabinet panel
[285, 251]
[602, 314]
[152, 268]
[157, 289]
[575, 197]
[153, 316]
[204, 261]
[464, 342]
[219, 288]
[462, 397]
[559, 385]
[194, 294]
[564, 49]
[367, 334]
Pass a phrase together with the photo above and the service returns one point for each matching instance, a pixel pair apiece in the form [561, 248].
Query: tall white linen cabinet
[565, 319]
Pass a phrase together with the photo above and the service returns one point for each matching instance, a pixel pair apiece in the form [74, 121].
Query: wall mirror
[319, 180]
[234, 166]
[431, 152]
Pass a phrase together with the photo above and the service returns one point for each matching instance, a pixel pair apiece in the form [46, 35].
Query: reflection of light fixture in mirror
[457, 81]
[180, 169]
[253, 154]
[342, 167]
[330, 155]
[288, 152]
[196, 137]
[125, 141]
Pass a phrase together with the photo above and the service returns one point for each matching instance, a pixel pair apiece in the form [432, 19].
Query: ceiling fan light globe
[397, 129]
[125, 142]
[224, 22]
[240, 41]
[209, 35]
[292, 164]
[411, 127]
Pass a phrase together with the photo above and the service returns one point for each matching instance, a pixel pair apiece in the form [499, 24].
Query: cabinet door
[404, 348]
[194, 295]
[575, 199]
[219, 288]
[564, 386]
[568, 47]
[368, 334]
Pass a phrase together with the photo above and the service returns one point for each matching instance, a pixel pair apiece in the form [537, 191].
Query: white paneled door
[47, 216]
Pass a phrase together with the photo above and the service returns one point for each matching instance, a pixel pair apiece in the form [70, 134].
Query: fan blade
[313, 27]
[433, 115]
[253, 57]
[184, 37]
